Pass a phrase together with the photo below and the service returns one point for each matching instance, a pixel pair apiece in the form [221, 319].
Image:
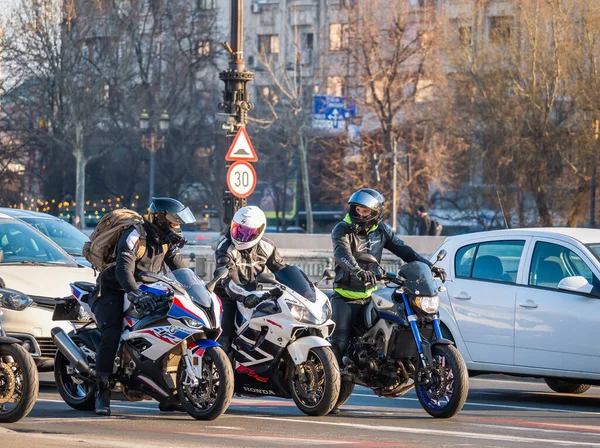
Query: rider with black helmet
[361, 231]
[162, 238]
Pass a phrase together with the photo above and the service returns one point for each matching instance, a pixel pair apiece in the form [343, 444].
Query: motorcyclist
[362, 231]
[245, 253]
[164, 239]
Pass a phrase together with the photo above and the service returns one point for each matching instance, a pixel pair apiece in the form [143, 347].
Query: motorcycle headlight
[192, 323]
[429, 304]
[14, 300]
[302, 314]
[327, 312]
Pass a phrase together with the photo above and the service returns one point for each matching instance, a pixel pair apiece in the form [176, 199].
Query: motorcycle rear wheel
[19, 381]
[77, 393]
[316, 389]
[446, 395]
[346, 389]
[212, 396]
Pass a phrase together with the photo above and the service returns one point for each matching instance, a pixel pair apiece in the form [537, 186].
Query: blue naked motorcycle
[399, 344]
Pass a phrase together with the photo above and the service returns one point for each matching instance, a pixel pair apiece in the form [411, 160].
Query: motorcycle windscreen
[294, 278]
[195, 287]
[419, 279]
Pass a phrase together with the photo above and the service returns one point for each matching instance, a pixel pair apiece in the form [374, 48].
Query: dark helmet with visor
[166, 215]
[366, 198]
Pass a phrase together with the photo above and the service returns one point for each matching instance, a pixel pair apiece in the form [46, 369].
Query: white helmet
[247, 227]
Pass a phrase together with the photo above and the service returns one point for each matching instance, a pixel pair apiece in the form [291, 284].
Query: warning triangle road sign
[241, 148]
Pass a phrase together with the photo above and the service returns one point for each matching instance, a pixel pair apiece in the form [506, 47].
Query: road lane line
[430, 432]
[491, 405]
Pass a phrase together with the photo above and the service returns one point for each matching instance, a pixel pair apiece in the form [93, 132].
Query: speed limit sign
[241, 179]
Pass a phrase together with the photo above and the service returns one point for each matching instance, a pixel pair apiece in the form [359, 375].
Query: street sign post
[241, 179]
[241, 148]
[332, 112]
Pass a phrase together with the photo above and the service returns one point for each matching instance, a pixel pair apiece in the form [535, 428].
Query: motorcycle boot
[103, 397]
[171, 405]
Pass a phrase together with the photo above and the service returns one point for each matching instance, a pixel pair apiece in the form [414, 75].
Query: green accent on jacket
[355, 295]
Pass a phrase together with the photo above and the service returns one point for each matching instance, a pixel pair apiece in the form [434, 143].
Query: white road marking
[491, 405]
[430, 432]
[568, 428]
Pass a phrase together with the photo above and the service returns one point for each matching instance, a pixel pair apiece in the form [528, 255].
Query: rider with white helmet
[245, 253]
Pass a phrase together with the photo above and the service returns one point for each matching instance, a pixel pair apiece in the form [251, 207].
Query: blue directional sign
[332, 112]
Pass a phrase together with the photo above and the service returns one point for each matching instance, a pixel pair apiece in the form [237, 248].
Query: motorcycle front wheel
[446, 392]
[211, 397]
[315, 384]
[19, 383]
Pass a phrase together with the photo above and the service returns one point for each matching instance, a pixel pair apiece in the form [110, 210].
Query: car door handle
[528, 304]
[463, 296]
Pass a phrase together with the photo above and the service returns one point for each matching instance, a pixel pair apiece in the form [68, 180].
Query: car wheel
[566, 387]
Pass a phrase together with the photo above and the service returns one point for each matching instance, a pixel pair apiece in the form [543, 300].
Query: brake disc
[7, 383]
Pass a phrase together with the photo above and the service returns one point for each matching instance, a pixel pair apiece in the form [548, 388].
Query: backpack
[100, 251]
[436, 228]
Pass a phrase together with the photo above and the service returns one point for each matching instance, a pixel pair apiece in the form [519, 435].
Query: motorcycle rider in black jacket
[245, 253]
[163, 240]
[361, 231]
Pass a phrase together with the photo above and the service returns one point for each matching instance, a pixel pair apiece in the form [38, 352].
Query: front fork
[423, 346]
[192, 374]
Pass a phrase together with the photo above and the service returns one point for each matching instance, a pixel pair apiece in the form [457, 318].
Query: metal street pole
[152, 167]
[236, 97]
[394, 185]
[593, 180]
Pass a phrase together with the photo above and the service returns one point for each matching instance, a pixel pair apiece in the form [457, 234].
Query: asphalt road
[499, 413]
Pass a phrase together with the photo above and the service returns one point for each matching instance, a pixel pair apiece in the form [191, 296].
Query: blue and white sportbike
[399, 344]
[169, 355]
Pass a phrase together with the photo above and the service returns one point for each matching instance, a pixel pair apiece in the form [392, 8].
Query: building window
[336, 85]
[206, 4]
[203, 48]
[500, 29]
[338, 36]
[268, 43]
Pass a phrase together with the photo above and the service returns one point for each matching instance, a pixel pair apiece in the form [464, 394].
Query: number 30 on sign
[241, 179]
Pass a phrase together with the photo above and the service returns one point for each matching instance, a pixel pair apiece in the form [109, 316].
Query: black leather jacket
[122, 276]
[347, 243]
[245, 265]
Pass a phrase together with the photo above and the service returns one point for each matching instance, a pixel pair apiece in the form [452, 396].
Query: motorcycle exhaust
[73, 353]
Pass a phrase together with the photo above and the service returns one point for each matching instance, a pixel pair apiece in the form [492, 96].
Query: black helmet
[166, 215]
[368, 198]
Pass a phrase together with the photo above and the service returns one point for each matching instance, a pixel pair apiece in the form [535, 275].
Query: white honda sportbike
[280, 348]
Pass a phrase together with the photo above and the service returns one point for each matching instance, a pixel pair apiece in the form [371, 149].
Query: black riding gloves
[144, 303]
[367, 277]
[438, 272]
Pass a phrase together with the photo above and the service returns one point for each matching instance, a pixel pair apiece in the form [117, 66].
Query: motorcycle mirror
[264, 277]
[328, 274]
[220, 274]
[366, 258]
[441, 255]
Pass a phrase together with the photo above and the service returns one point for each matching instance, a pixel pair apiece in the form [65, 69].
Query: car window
[61, 232]
[464, 260]
[498, 261]
[552, 262]
[19, 243]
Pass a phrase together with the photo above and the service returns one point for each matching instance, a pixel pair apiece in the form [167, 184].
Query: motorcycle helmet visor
[245, 234]
[364, 200]
[185, 216]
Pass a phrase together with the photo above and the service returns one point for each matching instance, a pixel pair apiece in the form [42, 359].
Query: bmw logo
[172, 330]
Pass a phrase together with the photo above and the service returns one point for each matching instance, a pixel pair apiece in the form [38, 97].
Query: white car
[526, 302]
[34, 265]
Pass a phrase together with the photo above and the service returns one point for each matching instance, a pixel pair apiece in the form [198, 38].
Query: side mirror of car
[441, 255]
[577, 284]
[265, 277]
[2, 284]
[220, 274]
[366, 258]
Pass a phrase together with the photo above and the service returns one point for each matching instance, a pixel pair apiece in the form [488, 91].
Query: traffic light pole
[236, 97]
